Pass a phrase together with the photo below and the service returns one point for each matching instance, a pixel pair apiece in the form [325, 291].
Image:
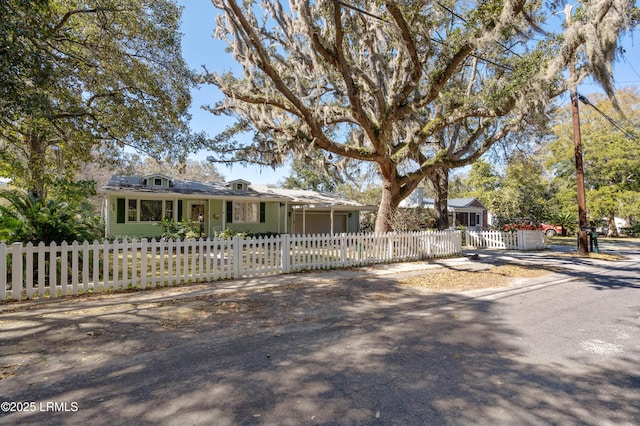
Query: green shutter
[180, 211]
[120, 212]
[262, 212]
[229, 212]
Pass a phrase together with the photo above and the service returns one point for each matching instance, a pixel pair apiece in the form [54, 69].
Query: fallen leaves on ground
[599, 256]
[456, 280]
[7, 371]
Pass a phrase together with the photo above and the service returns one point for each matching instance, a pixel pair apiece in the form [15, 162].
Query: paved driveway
[336, 348]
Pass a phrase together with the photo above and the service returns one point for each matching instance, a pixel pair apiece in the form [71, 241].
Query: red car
[551, 230]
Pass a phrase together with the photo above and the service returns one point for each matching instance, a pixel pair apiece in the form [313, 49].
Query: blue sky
[200, 48]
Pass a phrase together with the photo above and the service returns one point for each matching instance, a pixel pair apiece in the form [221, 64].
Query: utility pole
[583, 242]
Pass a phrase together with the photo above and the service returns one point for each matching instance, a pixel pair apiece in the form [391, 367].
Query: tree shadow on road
[602, 275]
[362, 352]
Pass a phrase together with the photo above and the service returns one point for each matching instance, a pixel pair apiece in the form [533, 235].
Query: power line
[357, 9]
[627, 133]
[374, 16]
[453, 13]
[631, 66]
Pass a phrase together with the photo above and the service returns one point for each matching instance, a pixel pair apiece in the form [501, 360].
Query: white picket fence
[518, 240]
[28, 271]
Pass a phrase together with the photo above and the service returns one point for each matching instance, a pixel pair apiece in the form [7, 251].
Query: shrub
[229, 233]
[27, 218]
[413, 219]
[632, 231]
[172, 230]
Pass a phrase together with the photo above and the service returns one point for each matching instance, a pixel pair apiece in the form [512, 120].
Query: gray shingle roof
[135, 184]
[119, 183]
[453, 202]
[308, 197]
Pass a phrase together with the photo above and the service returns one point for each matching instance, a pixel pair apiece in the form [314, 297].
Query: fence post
[387, 242]
[144, 248]
[64, 267]
[16, 271]
[96, 266]
[343, 250]
[154, 263]
[237, 257]
[285, 254]
[75, 267]
[520, 239]
[125, 263]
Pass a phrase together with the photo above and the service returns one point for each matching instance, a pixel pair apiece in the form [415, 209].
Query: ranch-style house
[134, 206]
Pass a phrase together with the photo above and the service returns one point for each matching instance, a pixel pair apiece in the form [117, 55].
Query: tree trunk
[611, 224]
[36, 160]
[390, 199]
[440, 181]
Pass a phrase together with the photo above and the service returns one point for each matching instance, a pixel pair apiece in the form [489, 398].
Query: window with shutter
[120, 212]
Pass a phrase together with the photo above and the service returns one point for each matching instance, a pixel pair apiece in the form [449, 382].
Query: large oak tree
[81, 78]
[416, 88]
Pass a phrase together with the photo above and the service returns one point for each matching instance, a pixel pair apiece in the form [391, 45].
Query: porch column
[331, 220]
[286, 216]
[209, 218]
[224, 214]
[304, 219]
[107, 223]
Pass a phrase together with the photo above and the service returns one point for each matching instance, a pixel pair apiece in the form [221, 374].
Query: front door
[197, 215]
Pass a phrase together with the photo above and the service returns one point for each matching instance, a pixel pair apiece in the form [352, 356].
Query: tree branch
[71, 13]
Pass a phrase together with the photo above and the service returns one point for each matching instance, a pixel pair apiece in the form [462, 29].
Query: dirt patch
[451, 280]
[598, 256]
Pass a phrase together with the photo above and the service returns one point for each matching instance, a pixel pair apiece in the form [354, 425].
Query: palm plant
[568, 221]
[27, 218]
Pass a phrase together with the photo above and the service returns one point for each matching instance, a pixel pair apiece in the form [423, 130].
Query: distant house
[135, 205]
[469, 212]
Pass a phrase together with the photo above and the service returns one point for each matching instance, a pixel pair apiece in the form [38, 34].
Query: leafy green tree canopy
[81, 77]
[189, 169]
[481, 182]
[305, 176]
[523, 195]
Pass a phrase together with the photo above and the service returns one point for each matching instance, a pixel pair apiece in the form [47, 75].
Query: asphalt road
[563, 350]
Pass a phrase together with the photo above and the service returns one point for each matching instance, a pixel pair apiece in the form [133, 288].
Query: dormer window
[239, 185]
[156, 180]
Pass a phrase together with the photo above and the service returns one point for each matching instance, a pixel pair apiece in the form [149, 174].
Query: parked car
[602, 226]
[551, 230]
